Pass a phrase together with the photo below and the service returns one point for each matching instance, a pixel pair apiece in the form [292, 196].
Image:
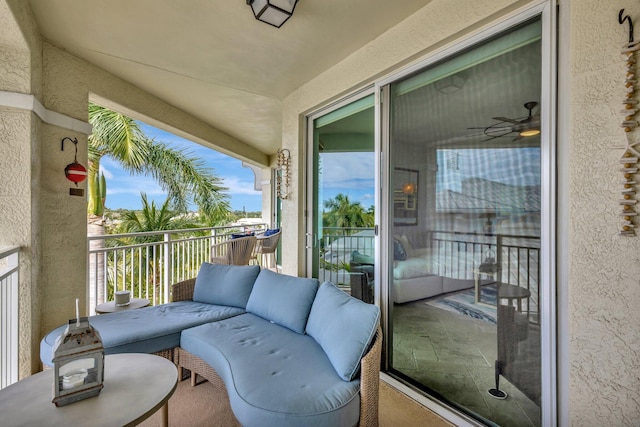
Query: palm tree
[149, 218]
[345, 214]
[184, 177]
[152, 218]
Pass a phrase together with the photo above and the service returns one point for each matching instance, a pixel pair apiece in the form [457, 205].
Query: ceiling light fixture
[450, 84]
[272, 12]
[530, 132]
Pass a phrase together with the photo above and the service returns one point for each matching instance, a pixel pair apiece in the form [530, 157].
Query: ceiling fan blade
[505, 119]
[491, 138]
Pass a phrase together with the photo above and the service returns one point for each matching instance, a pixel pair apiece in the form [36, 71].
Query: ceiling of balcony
[212, 59]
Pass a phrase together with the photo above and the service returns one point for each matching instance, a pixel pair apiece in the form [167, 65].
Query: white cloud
[134, 185]
[106, 172]
[237, 186]
[348, 171]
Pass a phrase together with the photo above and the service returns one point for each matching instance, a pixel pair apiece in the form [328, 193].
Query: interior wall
[598, 287]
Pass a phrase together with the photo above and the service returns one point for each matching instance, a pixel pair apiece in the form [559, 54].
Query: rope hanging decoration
[283, 174]
[629, 159]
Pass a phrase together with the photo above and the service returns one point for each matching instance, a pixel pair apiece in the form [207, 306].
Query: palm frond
[117, 135]
[187, 179]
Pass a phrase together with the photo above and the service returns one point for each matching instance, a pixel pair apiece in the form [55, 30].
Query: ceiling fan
[524, 126]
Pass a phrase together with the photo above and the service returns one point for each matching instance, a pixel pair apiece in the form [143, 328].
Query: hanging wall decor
[629, 159]
[283, 175]
[74, 172]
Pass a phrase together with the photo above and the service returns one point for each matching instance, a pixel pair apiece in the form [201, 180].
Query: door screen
[465, 204]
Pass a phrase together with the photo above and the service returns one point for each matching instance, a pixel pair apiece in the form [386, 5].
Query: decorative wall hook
[621, 20]
[283, 174]
[74, 172]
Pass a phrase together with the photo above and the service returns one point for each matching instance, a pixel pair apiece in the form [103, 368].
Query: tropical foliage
[144, 253]
[184, 177]
[340, 212]
[153, 218]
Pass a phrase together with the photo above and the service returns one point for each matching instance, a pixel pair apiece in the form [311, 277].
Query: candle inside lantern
[73, 378]
[77, 312]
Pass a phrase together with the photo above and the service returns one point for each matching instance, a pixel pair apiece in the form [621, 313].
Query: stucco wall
[19, 131]
[604, 272]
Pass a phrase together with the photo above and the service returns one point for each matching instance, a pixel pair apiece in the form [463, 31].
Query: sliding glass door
[464, 209]
[341, 196]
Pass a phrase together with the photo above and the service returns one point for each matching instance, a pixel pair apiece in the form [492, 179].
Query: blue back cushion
[358, 258]
[344, 327]
[285, 300]
[399, 253]
[241, 235]
[270, 232]
[228, 285]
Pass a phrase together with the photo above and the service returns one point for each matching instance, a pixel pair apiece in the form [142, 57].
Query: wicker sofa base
[197, 366]
[369, 381]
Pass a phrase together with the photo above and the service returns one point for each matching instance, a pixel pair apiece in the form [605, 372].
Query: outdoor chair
[234, 252]
[266, 248]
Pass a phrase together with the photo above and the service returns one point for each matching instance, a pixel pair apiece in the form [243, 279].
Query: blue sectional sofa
[286, 350]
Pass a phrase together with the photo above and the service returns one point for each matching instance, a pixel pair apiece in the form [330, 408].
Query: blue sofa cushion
[285, 300]
[344, 326]
[145, 330]
[274, 376]
[225, 284]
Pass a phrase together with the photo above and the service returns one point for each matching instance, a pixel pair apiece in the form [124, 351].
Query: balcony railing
[452, 254]
[146, 264]
[9, 266]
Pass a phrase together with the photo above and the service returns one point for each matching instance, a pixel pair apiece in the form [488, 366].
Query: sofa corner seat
[273, 375]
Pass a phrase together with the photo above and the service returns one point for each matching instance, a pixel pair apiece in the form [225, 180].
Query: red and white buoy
[75, 172]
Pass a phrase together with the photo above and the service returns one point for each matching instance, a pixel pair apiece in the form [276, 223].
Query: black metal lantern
[78, 363]
[272, 12]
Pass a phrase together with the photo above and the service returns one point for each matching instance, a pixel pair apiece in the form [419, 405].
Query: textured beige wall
[19, 132]
[604, 268]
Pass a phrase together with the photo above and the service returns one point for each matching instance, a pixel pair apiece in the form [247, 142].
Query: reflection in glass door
[342, 205]
[465, 205]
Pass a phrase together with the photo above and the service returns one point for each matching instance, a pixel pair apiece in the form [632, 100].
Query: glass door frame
[311, 242]
[547, 11]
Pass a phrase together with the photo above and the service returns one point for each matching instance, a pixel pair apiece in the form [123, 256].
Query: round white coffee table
[111, 307]
[135, 387]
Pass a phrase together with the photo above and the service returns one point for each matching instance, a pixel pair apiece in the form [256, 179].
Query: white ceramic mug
[123, 298]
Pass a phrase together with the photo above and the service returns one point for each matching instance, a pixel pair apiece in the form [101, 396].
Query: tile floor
[454, 355]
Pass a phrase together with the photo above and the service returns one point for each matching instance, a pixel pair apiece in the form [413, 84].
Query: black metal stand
[496, 392]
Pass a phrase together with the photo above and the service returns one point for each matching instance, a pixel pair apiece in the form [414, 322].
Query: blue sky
[348, 173]
[123, 190]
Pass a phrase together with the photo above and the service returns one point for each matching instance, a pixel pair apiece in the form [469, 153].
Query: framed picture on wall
[405, 196]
